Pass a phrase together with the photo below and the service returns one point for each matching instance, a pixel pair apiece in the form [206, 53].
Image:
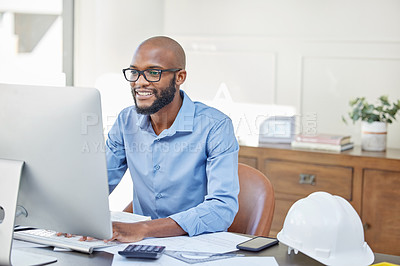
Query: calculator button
[142, 251]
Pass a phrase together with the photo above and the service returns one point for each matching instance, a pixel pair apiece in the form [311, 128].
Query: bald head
[167, 48]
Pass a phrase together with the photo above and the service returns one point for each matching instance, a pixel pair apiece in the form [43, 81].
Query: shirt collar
[183, 121]
[143, 121]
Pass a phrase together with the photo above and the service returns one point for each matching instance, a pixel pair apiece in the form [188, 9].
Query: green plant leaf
[384, 100]
[369, 109]
[382, 111]
[353, 102]
[355, 117]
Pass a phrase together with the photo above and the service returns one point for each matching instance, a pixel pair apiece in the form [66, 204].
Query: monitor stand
[10, 176]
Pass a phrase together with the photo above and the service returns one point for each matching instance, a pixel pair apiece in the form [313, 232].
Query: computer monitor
[51, 139]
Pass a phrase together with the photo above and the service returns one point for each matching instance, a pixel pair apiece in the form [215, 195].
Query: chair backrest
[256, 203]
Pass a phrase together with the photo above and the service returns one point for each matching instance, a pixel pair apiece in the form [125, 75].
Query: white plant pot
[373, 136]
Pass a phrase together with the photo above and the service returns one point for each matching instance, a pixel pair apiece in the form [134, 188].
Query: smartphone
[258, 243]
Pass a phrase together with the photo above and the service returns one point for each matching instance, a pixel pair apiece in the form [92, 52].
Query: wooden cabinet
[370, 181]
[381, 210]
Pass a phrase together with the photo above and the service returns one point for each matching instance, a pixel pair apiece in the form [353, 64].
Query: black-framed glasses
[151, 75]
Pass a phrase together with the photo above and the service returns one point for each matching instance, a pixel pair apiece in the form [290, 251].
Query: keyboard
[49, 238]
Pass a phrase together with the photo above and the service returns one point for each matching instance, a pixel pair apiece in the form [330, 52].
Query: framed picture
[277, 129]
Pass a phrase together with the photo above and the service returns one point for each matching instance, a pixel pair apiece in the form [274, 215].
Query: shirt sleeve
[115, 155]
[220, 205]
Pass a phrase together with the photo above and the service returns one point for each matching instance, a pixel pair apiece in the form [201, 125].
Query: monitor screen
[57, 132]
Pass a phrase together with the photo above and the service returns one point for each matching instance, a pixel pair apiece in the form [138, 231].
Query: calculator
[142, 251]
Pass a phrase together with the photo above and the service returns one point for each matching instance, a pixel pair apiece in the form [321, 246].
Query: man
[182, 155]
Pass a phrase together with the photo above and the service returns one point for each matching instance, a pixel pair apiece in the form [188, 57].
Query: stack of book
[327, 142]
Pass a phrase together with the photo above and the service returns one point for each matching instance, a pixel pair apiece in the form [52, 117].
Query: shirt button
[156, 167]
[159, 196]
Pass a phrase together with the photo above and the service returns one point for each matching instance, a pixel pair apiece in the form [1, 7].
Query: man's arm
[115, 155]
[220, 205]
[132, 232]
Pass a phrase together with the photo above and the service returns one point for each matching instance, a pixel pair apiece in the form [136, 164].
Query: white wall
[106, 34]
[312, 54]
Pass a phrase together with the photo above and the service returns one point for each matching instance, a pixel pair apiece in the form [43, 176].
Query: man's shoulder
[128, 116]
[128, 111]
[203, 110]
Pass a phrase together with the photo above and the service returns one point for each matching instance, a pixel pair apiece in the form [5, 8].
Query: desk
[370, 181]
[99, 258]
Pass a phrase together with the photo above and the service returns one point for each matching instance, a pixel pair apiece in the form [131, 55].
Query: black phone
[258, 243]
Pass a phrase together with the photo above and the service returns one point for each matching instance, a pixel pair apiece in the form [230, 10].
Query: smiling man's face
[150, 97]
[150, 101]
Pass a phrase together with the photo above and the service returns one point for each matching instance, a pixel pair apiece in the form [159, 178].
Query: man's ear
[181, 77]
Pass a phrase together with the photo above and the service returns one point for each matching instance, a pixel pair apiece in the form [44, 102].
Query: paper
[213, 243]
[194, 257]
[220, 242]
[169, 261]
[127, 217]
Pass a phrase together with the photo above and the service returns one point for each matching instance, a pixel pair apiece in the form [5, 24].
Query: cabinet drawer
[251, 161]
[281, 209]
[381, 210]
[304, 178]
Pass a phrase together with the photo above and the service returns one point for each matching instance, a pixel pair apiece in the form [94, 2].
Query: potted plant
[374, 120]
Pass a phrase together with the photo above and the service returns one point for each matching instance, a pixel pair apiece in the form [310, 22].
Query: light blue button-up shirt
[188, 173]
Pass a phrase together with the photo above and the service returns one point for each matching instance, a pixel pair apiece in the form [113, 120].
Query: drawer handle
[366, 226]
[307, 179]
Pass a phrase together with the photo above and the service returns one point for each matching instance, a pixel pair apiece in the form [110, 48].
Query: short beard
[166, 97]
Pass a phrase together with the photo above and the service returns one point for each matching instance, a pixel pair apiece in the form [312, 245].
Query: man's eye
[153, 72]
[134, 72]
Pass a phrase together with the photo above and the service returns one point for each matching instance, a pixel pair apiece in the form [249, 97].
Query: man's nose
[141, 81]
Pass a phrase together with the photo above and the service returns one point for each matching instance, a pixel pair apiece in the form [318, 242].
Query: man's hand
[83, 238]
[128, 232]
[64, 234]
[87, 238]
[133, 232]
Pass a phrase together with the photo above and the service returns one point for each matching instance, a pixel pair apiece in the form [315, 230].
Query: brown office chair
[256, 203]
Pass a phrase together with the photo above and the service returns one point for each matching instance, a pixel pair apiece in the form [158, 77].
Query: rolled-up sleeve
[220, 205]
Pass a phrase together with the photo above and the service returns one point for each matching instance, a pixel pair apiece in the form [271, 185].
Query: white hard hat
[327, 229]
